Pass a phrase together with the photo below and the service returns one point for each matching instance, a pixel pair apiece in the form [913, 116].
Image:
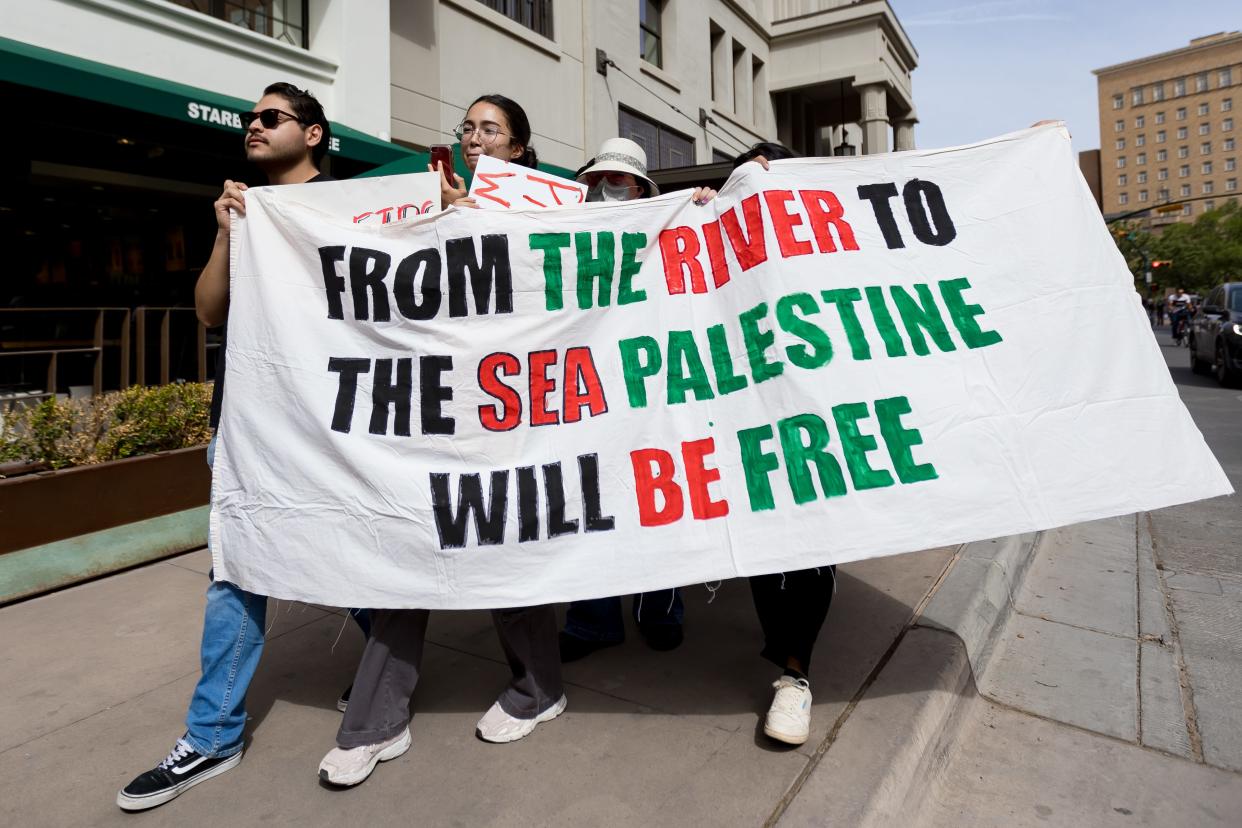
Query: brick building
[1168, 130]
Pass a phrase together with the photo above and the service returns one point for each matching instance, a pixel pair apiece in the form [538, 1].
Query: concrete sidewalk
[1029, 680]
[95, 680]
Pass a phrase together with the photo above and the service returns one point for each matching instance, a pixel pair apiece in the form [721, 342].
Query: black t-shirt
[217, 393]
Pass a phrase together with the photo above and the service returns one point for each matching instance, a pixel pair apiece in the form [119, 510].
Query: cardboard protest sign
[499, 185]
[834, 359]
[374, 200]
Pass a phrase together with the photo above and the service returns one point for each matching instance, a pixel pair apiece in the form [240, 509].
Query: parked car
[1216, 335]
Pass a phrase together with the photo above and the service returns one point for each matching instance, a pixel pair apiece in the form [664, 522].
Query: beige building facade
[693, 81]
[1169, 130]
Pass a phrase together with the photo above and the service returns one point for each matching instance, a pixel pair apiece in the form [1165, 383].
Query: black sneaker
[342, 704]
[662, 637]
[181, 770]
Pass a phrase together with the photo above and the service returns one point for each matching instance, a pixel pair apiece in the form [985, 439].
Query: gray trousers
[379, 706]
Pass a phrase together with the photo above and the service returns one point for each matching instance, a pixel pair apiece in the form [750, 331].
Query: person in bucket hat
[618, 172]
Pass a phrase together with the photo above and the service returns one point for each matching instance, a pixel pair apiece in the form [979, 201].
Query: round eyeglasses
[487, 133]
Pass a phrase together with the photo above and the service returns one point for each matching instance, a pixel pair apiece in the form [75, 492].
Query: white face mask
[603, 191]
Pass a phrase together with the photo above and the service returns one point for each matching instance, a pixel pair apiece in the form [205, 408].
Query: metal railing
[164, 318]
[143, 332]
[53, 347]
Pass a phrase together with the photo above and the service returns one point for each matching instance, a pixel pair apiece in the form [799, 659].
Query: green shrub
[138, 420]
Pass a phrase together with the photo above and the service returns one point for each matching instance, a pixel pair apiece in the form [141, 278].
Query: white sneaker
[498, 726]
[789, 717]
[349, 767]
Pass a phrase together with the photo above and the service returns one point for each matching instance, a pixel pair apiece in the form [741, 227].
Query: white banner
[835, 359]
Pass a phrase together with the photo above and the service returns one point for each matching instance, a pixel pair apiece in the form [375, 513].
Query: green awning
[26, 65]
[417, 162]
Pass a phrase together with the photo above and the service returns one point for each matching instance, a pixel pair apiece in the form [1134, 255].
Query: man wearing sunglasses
[286, 137]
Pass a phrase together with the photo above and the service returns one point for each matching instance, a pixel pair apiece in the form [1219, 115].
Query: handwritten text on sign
[499, 185]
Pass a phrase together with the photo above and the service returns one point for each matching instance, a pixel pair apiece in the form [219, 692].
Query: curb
[885, 757]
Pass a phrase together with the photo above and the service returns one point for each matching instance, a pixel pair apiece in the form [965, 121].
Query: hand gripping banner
[835, 359]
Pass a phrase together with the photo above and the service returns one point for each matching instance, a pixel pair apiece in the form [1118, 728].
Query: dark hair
[768, 149]
[309, 112]
[519, 126]
[584, 168]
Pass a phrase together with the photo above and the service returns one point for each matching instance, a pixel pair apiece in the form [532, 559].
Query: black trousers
[792, 607]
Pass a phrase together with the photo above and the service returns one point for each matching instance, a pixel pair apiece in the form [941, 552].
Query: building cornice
[1233, 38]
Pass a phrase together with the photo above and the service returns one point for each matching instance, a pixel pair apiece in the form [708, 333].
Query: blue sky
[987, 67]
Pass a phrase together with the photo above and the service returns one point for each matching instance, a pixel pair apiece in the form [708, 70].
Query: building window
[1206, 169]
[1226, 104]
[1141, 178]
[1203, 108]
[1205, 148]
[1160, 117]
[535, 15]
[720, 79]
[650, 31]
[1227, 146]
[1226, 125]
[1187, 208]
[1182, 133]
[1140, 140]
[1119, 101]
[1162, 195]
[1160, 136]
[1207, 187]
[1157, 91]
[283, 20]
[1120, 143]
[1181, 113]
[664, 147]
[1209, 205]
[1119, 126]
[1139, 121]
[1123, 198]
[1162, 155]
[1204, 129]
[1231, 164]
[1179, 87]
[1162, 174]
[739, 77]
[1201, 82]
[1226, 77]
[1142, 195]
[1231, 184]
[1183, 171]
[1183, 152]
[1141, 158]
[1121, 162]
[1136, 96]
[1185, 190]
[1121, 180]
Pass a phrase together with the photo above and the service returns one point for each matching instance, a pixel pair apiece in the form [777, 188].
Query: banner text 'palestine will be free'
[835, 359]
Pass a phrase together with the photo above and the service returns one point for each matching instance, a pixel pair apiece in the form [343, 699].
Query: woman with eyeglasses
[375, 727]
[495, 126]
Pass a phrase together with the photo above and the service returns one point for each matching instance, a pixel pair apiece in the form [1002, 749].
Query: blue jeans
[233, 629]
[599, 619]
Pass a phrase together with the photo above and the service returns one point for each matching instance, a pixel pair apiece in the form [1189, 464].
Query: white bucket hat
[624, 156]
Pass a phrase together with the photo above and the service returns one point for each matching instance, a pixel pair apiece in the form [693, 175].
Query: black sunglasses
[268, 117]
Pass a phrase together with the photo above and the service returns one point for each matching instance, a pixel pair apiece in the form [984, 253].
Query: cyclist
[1179, 304]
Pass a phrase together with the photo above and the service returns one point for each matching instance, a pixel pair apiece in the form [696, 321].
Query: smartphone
[442, 157]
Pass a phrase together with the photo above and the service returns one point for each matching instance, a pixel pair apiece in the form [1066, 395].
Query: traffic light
[1156, 265]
